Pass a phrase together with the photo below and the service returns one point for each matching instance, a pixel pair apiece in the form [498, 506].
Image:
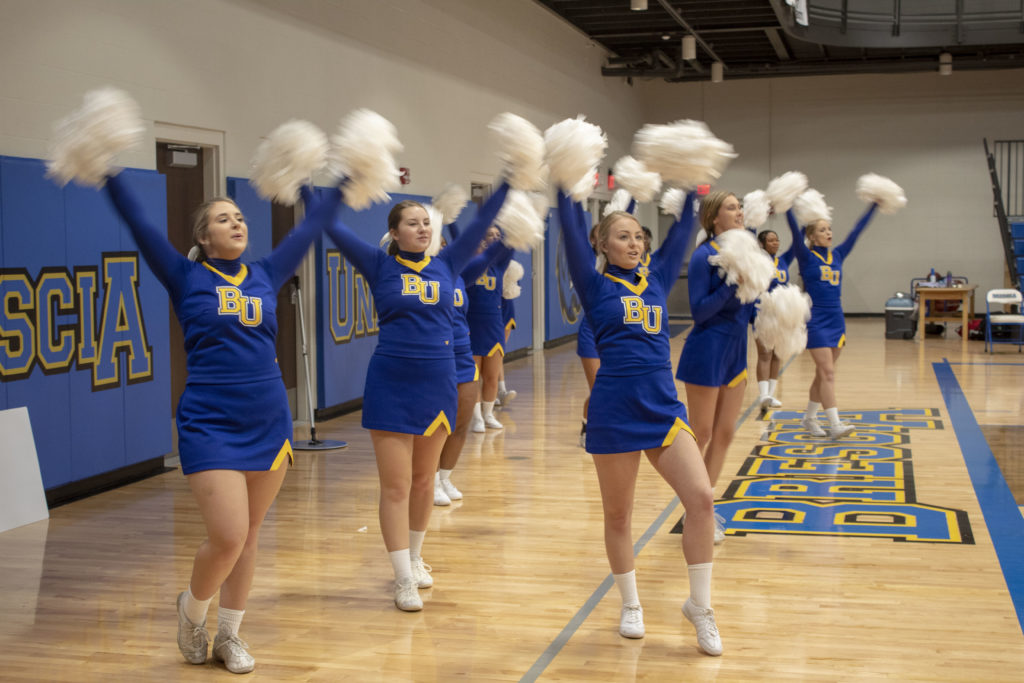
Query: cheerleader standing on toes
[487, 333]
[411, 395]
[234, 424]
[821, 270]
[713, 363]
[768, 363]
[634, 407]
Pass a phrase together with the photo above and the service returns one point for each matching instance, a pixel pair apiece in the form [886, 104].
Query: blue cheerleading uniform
[586, 347]
[634, 404]
[508, 315]
[715, 353]
[411, 380]
[821, 270]
[234, 411]
[781, 264]
[466, 369]
[486, 325]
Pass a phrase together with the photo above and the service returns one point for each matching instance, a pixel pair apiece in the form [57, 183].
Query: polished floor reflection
[863, 588]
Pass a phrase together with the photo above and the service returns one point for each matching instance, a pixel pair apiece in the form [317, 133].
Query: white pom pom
[436, 225]
[287, 159]
[672, 202]
[784, 190]
[521, 150]
[634, 178]
[882, 191]
[756, 208]
[541, 205]
[86, 141]
[510, 282]
[619, 202]
[743, 263]
[810, 207]
[781, 322]
[363, 151]
[521, 227]
[685, 153]
[574, 148]
[450, 202]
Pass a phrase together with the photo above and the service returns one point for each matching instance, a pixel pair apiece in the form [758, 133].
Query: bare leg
[727, 411]
[682, 467]
[394, 452]
[490, 368]
[823, 389]
[457, 439]
[426, 451]
[616, 474]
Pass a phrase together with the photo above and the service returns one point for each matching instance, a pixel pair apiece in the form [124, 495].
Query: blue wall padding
[562, 310]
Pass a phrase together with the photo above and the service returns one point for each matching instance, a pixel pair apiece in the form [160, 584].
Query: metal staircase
[1006, 169]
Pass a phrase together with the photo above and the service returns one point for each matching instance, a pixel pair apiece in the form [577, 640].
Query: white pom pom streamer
[574, 148]
[685, 153]
[742, 263]
[363, 150]
[783, 190]
[633, 177]
[619, 202]
[781, 322]
[521, 227]
[87, 140]
[882, 191]
[450, 202]
[287, 159]
[521, 150]
[510, 288]
[756, 208]
[810, 207]
[541, 206]
[436, 225]
[672, 202]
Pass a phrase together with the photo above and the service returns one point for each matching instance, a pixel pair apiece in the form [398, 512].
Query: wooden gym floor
[898, 554]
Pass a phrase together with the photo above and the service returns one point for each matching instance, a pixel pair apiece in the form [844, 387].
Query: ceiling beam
[776, 40]
[682, 22]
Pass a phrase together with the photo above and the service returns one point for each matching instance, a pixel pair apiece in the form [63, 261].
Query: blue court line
[1000, 510]
[1019, 365]
[581, 615]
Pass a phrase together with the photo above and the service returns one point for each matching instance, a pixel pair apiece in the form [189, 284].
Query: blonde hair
[201, 223]
[710, 205]
[395, 217]
[605, 226]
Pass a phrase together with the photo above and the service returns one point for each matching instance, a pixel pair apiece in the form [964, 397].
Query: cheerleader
[467, 374]
[768, 363]
[821, 270]
[411, 395]
[508, 317]
[586, 349]
[487, 333]
[234, 423]
[634, 407]
[713, 363]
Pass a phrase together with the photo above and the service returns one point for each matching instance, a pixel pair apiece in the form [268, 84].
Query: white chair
[999, 298]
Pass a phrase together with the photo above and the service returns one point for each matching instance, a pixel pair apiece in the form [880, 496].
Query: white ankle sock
[476, 412]
[196, 609]
[812, 410]
[487, 408]
[627, 587]
[762, 388]
[444, 474]
[229, 620]
[400, 563]
[833, 415]
[501, 386]
[773, 385]
[416, 542]
[700, 584]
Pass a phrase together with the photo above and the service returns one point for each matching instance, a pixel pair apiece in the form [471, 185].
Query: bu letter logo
[231, 301]
[426, 290]
[636, 312]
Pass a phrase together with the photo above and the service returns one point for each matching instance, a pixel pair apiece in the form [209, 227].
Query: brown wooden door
[282, 221]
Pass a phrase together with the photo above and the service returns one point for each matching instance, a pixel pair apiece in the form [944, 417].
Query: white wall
[922, 130]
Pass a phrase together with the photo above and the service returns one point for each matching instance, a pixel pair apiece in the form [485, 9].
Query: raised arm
[459, 252]
[481, 261]
[847, 246]
[578, 251]
[286, 257]
[787, 256]
[705, 303]
[170, 267]
[798, 247]
[359, 253]
[668, 259]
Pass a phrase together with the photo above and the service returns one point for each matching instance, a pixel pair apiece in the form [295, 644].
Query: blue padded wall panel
[3, 384]
[34, 239]
[522, 335]
[258, 218]
[562, 309]
[147, 426]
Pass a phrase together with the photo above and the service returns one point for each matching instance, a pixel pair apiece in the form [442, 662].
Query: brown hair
[395, 217]
[201, 222]
[709, 208]
[762, 237]
[605, 226]
[809, 228]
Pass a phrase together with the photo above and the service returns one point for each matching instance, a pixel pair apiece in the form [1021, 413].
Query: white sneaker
[631, 624]
[719, 529]
[813, 427]
[775, 403]
[407, 598]
[193, 640]
[476, 425]
[491, 422]
[234, 652]
[441, 496]
[838, 431]
[764, 402]
[421, 573]
[703, 619]
[505, 397]
[449, 489]
[583, 435]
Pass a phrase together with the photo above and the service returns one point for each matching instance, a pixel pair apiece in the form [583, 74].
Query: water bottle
[949, 278]
[931, 276]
